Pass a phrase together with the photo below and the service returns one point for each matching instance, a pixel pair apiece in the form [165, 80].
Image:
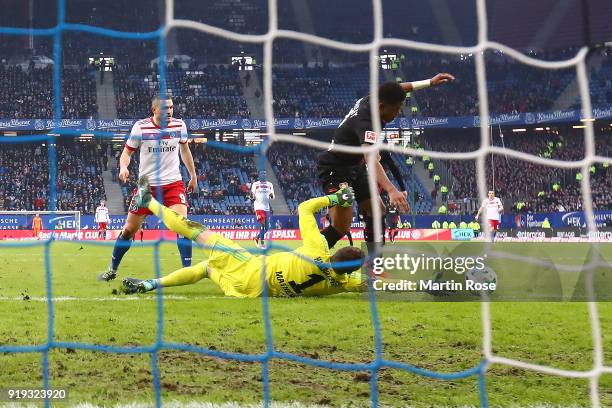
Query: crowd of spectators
[295, 167]
[224, 176]
[522, 181]
[207, 92]
[27, 92]
[24, 177]
[512, 87]
[326, 89]
[317, 92]
[224, 181]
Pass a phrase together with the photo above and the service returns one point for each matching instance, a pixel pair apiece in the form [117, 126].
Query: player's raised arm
[438, 79]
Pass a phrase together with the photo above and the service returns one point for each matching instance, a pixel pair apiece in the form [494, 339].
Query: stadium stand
[28, 92]
[207, 92]
[295, 167]
[325, 86]
[24, 177]
[516, 180]
[318, 92]
[224, 179]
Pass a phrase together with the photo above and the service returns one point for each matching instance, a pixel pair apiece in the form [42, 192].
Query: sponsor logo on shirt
[370, 136]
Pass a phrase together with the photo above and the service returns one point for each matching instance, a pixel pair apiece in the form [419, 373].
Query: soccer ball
[479, 280]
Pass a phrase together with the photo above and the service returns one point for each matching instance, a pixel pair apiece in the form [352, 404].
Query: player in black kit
[356, 130]
[393, 219]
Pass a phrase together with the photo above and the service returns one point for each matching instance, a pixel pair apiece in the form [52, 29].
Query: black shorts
[356, 177]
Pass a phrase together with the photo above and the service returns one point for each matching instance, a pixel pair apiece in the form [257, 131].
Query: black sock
[332, 236]
[368, 229]
[382, 227]
[350, 238]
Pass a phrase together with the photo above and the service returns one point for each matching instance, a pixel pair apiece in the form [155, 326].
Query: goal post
[51, 220]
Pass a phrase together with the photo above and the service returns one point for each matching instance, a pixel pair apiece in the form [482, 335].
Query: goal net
[54, 224]
[274, 33]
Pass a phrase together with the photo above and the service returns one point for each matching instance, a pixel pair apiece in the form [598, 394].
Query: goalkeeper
[302, 272]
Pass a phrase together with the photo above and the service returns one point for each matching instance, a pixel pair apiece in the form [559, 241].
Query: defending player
[102, 219]
[356, 130]
[166, 144]
[36, 226]
[238, 273]
[393, 219]
[494, 208]
[262, 192]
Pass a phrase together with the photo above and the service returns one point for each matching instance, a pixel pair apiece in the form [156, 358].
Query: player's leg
[340, 218]
[183, 243]
[180, 277]
[265, 226]
[174, 221]
[494, 224]
[122, 244]
[368, 231]
[340, 225]
[222, 253]
[350, 237]
[260, 216]
[175, 197]
[366, 200]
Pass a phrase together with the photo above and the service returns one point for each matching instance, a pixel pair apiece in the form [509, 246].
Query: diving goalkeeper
[305, 271]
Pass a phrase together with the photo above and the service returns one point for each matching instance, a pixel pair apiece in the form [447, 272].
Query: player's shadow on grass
[600, 272]
[524, 273]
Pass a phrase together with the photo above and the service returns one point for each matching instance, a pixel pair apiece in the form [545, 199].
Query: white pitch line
[107, 298]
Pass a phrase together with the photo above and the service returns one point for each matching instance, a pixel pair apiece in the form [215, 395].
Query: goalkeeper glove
[343, 197]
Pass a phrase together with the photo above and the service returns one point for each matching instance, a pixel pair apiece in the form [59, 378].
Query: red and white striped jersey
[102, 214]
[152, 141]
[262, 190]
[494, 208]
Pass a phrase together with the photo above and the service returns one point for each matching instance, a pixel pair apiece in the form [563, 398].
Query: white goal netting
[478, 50]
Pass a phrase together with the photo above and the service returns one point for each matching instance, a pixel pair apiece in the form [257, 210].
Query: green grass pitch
[440, 336]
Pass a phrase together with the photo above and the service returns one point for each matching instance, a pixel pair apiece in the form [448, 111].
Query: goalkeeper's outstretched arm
[311, 236]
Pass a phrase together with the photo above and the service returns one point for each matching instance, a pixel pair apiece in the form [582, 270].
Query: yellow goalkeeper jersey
[288, 274]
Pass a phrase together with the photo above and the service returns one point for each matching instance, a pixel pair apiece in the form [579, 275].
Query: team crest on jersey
[370, 136]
